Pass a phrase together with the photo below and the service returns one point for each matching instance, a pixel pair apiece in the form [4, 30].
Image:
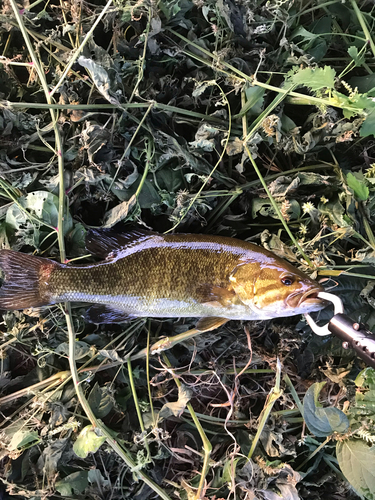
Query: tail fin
[26, 280]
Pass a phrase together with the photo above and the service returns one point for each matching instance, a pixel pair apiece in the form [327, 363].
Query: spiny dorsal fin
[107, 242]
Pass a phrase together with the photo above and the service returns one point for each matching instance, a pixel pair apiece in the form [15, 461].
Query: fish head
[276, 289]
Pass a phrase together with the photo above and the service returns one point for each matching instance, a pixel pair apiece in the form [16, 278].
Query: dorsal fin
[106, 243]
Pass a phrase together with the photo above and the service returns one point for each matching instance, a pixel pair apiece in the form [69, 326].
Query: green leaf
[363, 83]
[368, 126]
[254, 102]
[74, 483]
[356, 459]
[315, 78]
[353, 52]
[322, 421]
[306, 35]
[101, 400]
[87, 442]
[23, 438]
[42, 204]
[356, 181]
[96, 477]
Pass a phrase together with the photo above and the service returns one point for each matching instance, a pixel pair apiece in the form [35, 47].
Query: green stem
[140, 125]
[142, 59]
[125, 106]
[207, 447]
[113, 443]
[273, 396]
[363, 24]
[217, 163]
[136, 403]
[293, 393]
[276, 208]
[317, 450]
[259, 120]
[148, 374]
[77, 52]
[145, 172]
[58, 141]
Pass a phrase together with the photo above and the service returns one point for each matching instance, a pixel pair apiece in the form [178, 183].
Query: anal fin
[101, 313]
[211, 323]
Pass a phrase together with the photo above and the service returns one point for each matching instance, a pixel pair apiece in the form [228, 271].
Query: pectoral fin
[216, 296]
[208, 324]
[100, 313]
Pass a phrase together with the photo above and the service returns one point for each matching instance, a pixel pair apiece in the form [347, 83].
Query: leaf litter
[153, 111]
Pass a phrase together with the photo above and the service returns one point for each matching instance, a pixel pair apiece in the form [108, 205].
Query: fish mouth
[309, 298]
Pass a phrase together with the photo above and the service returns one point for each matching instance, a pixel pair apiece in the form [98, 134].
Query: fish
[147, 274]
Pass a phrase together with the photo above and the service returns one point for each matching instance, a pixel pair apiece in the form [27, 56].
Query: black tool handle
[355, 336]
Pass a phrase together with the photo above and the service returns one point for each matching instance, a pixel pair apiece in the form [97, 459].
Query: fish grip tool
[353, 335]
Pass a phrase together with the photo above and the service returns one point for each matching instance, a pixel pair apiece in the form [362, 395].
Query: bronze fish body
[150, 274]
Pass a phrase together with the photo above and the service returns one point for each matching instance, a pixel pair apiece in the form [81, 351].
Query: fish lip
[310, 297]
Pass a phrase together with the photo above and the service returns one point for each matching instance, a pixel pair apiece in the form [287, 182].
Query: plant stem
[276, 208]
[317, 450]
[58, 140]
[273, 396]
[363, 24]
[113, 443]
[125, 106]
[216, 165]
[136, 403]
[207, 447]
[77, 52]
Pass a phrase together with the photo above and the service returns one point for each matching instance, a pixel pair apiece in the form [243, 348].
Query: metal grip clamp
[352, 334]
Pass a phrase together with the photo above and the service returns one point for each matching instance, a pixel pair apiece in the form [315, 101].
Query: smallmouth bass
[146, 274]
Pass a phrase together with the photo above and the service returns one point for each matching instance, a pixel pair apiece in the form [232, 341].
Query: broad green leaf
[368, 126]
[306, 35]
[315, 79]
[101, 400]
[356, 181]
[363, 83]
[322, 422]
[254, 101]
[96, 477]
[366, 378]
[356, 459]
[74, 483]
[87, 442]
[23, 438]
[43, 205]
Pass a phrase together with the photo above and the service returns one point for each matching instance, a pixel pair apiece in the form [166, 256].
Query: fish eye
[287, 280]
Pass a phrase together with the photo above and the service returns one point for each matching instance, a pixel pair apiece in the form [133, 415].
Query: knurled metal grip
[354, 336]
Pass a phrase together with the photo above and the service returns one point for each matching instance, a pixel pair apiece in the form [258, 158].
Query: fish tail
[26, 280]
